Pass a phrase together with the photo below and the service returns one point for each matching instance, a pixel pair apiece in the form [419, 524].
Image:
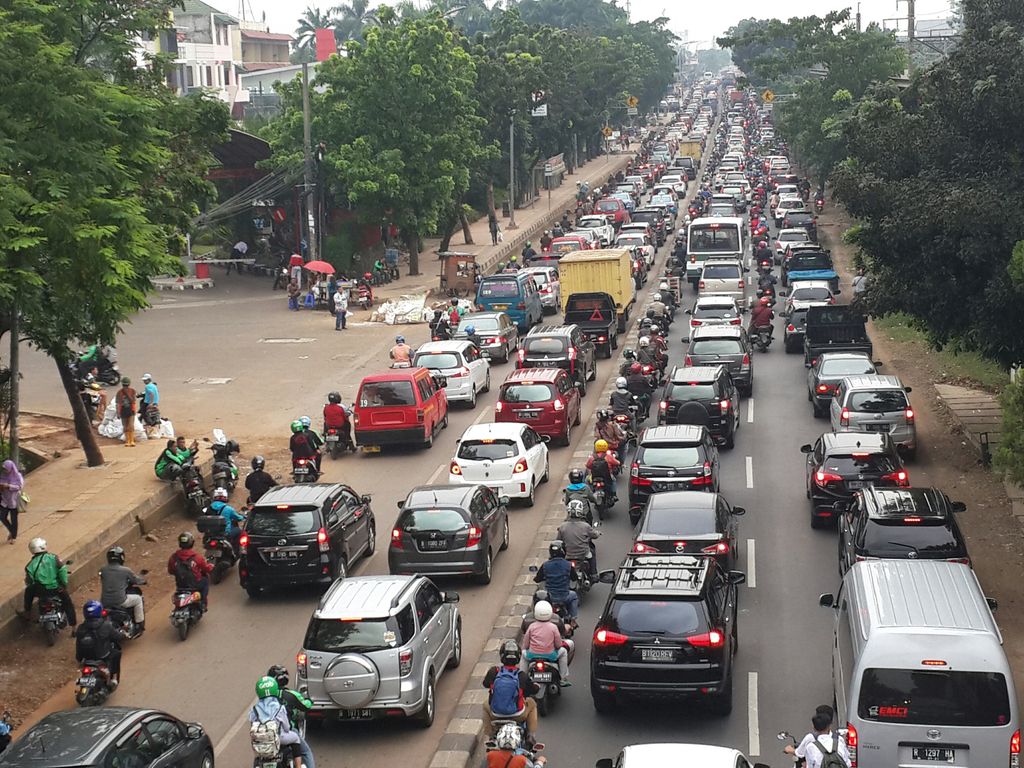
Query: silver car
[875, 404]
[376, 646]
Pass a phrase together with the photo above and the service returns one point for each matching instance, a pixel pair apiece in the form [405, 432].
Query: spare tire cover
[351, 681]
[692, 413]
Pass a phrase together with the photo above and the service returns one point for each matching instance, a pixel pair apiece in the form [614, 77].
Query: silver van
[918, 669]
[875, 403]
[722, 277]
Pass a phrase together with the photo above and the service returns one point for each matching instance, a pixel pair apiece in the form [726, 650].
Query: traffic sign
[632, 111]
[768, 96]
[632, 101]
[606, 131]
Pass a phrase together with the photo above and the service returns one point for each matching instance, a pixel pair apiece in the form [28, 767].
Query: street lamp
[512, 170]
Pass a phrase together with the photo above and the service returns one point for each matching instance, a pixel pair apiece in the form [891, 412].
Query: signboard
[606, 131]
[540, 105]
[541, 111]
[556, 165]
[768, 96]
[547, 170]
[632, 101]
[632, 111]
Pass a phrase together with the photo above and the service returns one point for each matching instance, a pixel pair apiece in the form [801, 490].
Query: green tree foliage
[1010, 452]
[598, 16]
[355, 17]
[309, 22]
[713, 59]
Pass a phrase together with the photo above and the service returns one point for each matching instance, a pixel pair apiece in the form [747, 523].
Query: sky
[702, 25]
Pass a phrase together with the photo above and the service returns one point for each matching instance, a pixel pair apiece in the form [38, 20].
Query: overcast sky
[701, 21]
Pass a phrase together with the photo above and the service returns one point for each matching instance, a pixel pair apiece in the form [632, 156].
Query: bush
[1010, 452]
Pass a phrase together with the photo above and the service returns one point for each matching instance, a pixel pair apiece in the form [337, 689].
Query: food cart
[458, 273]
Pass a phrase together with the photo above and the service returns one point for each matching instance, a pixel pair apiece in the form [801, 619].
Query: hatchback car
[511, 459]
[900, 523]
[787, 236]
[400, 407]
[805, 293]
[828, 370]
[466, 371]
[726, 345]
[637, 241]
[723, 277]
[681, 457]
[108, 737]
[691, 523]
[715, 309]
[705, 396]
[704, 755]
[376, 646]
[305, 534]
[499, 336]
[548, 286]
[560, 346]
[545, 398]
[875, 404]
[802, 220]
[842, 463]
[449, 530]
[787, 204]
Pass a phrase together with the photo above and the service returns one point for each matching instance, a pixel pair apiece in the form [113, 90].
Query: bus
[723, 237]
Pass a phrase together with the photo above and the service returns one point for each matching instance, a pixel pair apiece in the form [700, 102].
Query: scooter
[124, 618]
[305, 470]
[548, 679]
[196, 497]
[762, 338]
[579, 577]
[225, 471]
[819, 204]
[187, 610]
[52, 617]
[217, 548]
[365, 296]
[93, 687]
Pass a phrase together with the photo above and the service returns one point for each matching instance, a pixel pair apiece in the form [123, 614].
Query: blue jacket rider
[220, 506]
[556, 574]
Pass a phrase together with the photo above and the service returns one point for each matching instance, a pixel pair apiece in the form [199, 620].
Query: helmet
[655, 328]
[542, 611]
[470, 329]
[628, 354]
[602, 415]
[266, 687]
[540, 594]
[37, 546]
[220, 494]
[454, 302]
[258, 462]
[650, 313]
[93, 609]
[645, 341]
[125, 381]
[576, 508]
[576, 476]
[509, 737]
[513, 258]
[548, 231]
[556, 548]
[620, 382]
[765, 301]
[115, 555]
[399, 339]
[656, 297]
[529, 243]
[600, 446]
[334, 397]
[186, 540]
[147, 378]
[762, 244]
[509, 653]
[663, 286]
[305, 421]
[497, 268]
[636, 368]
[280, 674]
[296, 426]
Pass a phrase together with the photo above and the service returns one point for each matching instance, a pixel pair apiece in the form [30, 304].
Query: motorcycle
[225, 471]
[106, 371]
[304, 470]
[548, 679]
[605, 496]
[579, 576]
[529, 750]
[52, 617]
[762, 337]
[196, 497]
[187, 610]
[124, 618]
[217, 548]
[332, 442]
[93, 686]
[365, 296]
[819, 204]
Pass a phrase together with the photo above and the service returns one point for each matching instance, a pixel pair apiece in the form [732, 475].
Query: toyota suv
[376, 646]
[726, 345]
[682, 457]
[560, 346]
[875, 404]
[703, 395]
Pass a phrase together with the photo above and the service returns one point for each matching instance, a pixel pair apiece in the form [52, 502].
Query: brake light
[912, 519]
[405, 661]
[961, 560]
[605, 637]
[462, 372]
[746, 360]
[321, 540]
[300, 664]
[851, 744]
[734, 321]
[499, 407]
[741, 283]
[909, 415]
[558, 405]
[823, 388]
[687, 360]
[721, 548]
[900, 477]
[86, 670]
[713, 639]
[844, 418]
[474, 536]
[396, 538]
[700, 284]
[724, 405]
[640, 548]
[419, 415]
[700, 481]
[663, 405]
[454, 468]
[1015, 749]
[522, 358]
[823, 478]
[243, 543]
[539, 666]
[521, 466]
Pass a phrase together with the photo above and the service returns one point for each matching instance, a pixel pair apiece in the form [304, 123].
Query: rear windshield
[896, 538]
[437, 360]
[793, 237]
[282, 522]
[687, 392]
[818, 261]
[540, 278]
[444, 520]
[934, 697]
[340, 635]
[377, 394]
[715, 313]
[655, 617]
[545, 345]
[881, 401]
[675, 522]
[722, 272]
[811, 294]
[499, 289]
[566, 245]
[846, 367]
[791, 204]
[480, 450]
[734, 191]
[630, 240]
[716, 347]
[527, 393]
[854, 465]
[798, 217]
[670, 456]
[798, 318]
[479, 324]
[608, 206]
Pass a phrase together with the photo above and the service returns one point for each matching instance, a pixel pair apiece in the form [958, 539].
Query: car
[498, 334]
[787, 190]
[449, 530]
[566, 244]
[627, 199]
[795, 219]
[900, 523]
[786, 205]
[738, 195]
[599, 224]
[639, 242]
[548, 286]
[655, 220]
[794, 247]
[545, 398]
[592, 238]
[793, 332]
[714, 309]
[702, 395]
[679, 457]
[311, 533]
[723, 277]
[813, 265]
[789, 236]
[376, 646]
[806, 293]
[668, 630]
[728, 345]
[400, 406]
[676, 181]
[690, 523]
[510, 458]
[703, 755]
[875, 403]
[560, 346]
[630, 189]
[828, 370]
[514, 294]
[841, 463]
[613, 207]
[664, 200]
[466, 371]
[106, 737]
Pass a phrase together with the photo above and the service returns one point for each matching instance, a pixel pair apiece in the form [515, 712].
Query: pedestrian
[238, 251]
[860, 283]
[332, 287]
[150, 410]
[492, 224]
[293, 295]
[11, 485]
[125, 403]
[340, 308]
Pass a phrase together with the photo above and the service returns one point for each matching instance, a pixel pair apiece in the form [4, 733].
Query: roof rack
[659, 573]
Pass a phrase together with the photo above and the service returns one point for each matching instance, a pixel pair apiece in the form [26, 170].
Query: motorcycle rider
[296, 705]
[641, 387]
[302, 445]
[604, 466]
[259, 480]
[220, 506]
[579, 536]
[543, 640]
[513, 260]
[509, 751]
[472, 337]
[556, 573]
[455, 312]
[647, 355]
[401, 352]
[578, 490]
[440, 328]
[115, 579]
[510, 691]
[545, 240]
[190, 570]
[761, 316]
[608, 430]
[97, 639]
[628, 358]
[763, 253]
[657, 337]
[527, 253]
[668, 296]
[46, 573]
[176, 454]
[621, 399]
[659, 308]
[336, 417]
[270, 708]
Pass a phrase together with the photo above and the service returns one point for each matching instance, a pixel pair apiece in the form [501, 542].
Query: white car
[548, 287]
[676, 181]
[601, 225]
[786, 236]
[637, 240]
[715, 310]
[509, 458]
[787, 204]
[678, 756]
[468, 372]
[592, 238]
[805, 293]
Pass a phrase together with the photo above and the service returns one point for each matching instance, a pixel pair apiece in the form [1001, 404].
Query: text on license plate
[501, 306]
[542, 677]
[433, 545]
[877, 427]
[855, 484]
[938, 754]
[526, 414]
[657, 654]
[289, 554]
[87, 682]
[355, 714]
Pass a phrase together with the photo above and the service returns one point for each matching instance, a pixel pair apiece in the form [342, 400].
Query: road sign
[632, 111]
[632, 101]
[539, 111]
[768, 96]
[548, 171]
[606, 131]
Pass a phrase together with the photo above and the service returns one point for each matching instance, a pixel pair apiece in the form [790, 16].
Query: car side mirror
[827, 600]
[739, 511]
[806, 448]
[993, 604]
[737, 577]
[400, 504]
[606, 577]
[841, 507]
[451, 597]
[545, 438]
[533, 569]
[504, 501]
[685, 339]
[783, 293]
[807, 365]
[877, 363]
[366, 498]
[194, 731]
[689, 312]
[604, 762]
[908, 390]
[958, 506]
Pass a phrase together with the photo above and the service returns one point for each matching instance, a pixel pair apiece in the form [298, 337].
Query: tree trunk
[490, 196]
[412, 242]
[446, 236]
[467, 236]
[12, 443]
[83, 427]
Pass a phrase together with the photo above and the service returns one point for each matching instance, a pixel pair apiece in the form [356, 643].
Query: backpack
[454, 317]
[266, 738]
[506, 695]
[599, 468]
[830, 759]
[185, 575]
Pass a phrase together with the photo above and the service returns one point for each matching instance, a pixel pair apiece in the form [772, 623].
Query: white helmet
[542, 611]
[509, 737]
[620, 383]
[576, 508]
[220, 494]
[37, 546]
[663, 287]
[645, 341]
[147, 378]
[657, 297]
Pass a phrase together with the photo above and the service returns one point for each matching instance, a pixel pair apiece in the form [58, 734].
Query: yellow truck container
[689, 149]
[608, 271]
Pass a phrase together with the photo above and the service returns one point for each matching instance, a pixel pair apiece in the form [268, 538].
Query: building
[206, 57]
[260, 48]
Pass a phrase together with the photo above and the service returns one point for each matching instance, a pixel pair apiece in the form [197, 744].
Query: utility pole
[15, 373]
[858, 17]
[308, 173]
[911, 33]
[512, 170]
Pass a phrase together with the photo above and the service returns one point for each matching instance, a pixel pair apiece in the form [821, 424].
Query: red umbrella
[295, 260]
[320, 266]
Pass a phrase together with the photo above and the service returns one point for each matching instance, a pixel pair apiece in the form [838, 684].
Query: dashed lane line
[750, 471]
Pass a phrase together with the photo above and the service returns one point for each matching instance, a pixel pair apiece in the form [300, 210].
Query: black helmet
[258, 462]
[556, 548]
[540, 594]
[602, 415]
[115, 555]
[280, 674]
[629, 354]
[186, 540]
[509, 653]
[576, 476]
[650, 313]
[334, 397]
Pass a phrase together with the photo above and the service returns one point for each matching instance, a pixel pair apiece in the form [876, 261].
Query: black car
[689, 523]
[680, 457]
[841, 463]
[656, 219]
[106, 737]
[802, 220]
[805, 259]
[828, 370]
[560, 346]
[667, 631]
[702, 395]
[499, 336]
[305, 534]
[900, 523]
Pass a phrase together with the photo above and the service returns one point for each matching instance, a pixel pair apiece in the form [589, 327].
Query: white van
[918, 668]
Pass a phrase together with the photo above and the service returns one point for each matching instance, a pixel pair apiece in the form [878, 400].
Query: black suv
[560, 346]
[842, 463]
[802, 220]
[681, 457]
[656, 219]
[702, 395]
[689, 523]
[900, 523]
[305, 534]
[668, 630]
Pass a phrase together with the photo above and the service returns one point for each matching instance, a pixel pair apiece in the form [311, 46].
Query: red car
[545, 398]
[401, 406]
[567, 244]
[616, 209]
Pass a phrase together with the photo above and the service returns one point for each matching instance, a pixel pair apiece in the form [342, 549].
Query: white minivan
[918, 668]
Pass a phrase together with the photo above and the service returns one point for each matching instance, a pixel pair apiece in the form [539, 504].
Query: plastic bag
[166, 429]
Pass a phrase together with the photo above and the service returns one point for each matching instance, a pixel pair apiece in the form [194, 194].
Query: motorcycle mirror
[877, 363]
[806, 448]
[538, 747]
[365, 498]
[783, 736]
[826, 600]
[533, 569]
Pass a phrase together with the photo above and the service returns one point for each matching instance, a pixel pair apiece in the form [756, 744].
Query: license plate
[501, 306]
[855, 485]
[371, 449]
[332, 439]
[213, 554]
[937, 754]
[877, 427]
[271, 764]
[355, 714]
[526, 414]
[87, 682]
[301, 470]
[657, 654]
[542, 677]
[433, 545]
[286, 555]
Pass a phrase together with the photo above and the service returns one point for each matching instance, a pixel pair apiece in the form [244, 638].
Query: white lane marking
[750, 410]
[750, 471]
[751, 565]
[437, 473]
[753, 728]
[487, 410]
[242, 720]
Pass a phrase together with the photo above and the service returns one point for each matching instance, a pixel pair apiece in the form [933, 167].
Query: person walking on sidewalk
[492, 224]
[125, 403]
[340, 301]
[11, 485]
[150, 411]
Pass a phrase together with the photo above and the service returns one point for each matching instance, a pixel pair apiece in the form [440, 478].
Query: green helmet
[266, 687]
[297, 426]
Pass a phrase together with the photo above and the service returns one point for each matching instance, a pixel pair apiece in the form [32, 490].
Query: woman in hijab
[11, 483]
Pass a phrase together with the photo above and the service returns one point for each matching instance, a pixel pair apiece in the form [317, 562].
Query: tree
[354, 18]
[597, 16]
[713, 59]
[311, 20]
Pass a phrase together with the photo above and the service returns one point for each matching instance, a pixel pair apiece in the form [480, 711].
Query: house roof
[249, 34]
[198, 7]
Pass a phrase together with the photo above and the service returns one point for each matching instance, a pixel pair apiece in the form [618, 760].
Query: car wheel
[615, 342]
[253, 591]
[504, 358]
[604, 703]
[504, 535]
[564, 438]
[547, 470]
[583, 388]
[576, 420]
[472, 398]
[444, 421]
[456, 658]
[810, 397]
[530, 500]
[593, 370]
[730, 441]
[338, 570]
[485, 577]
[816, 522]
[371, 540]
[487, 382]
[819, 412]
[207, 761]
[429, 442]
[425, 717]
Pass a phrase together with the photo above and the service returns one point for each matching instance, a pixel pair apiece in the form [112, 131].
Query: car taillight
[700, 284]
[961, 560]
[419, 415]
[663, 405]
[823, 478]
[321, 540]
[721, 548]
[724, 405]
[396, 538]
[900, 477]
[687, 360]
[844, 417]
[454, 468]
[746, 360]
[734, 321]
[243, 543]
[572, 353]
[741, 284]
[521, 358]
[300, 664]
[474, 536]
[1015, 749]
[558, 405]
[694, 322]
[851, 744]
[604, 637]
[405, 661]
[521, 305]
[499, 407]
[693, 259]
[713, 639]
[909, 415]
[823, 388]
[461, 373]
[521, 466]
[641, 548]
